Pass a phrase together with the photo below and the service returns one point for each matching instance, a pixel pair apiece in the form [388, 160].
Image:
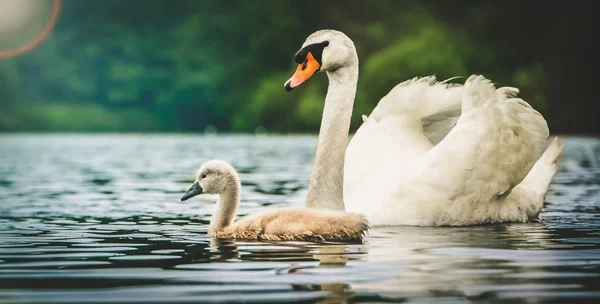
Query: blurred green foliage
[184, 65]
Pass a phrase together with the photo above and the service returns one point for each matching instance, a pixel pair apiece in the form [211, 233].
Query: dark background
[125, 66]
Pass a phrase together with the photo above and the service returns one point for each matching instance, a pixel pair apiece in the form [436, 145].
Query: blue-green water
[97, 218]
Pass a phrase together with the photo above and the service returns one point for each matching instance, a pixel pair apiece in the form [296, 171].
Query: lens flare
[15, 15]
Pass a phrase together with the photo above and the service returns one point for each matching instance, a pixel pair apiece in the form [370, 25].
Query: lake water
[97, 219]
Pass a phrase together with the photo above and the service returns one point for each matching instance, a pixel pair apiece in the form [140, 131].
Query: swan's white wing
[465, 178]
[437, 126]
[415, 162]
[393, 134]
[443, 113]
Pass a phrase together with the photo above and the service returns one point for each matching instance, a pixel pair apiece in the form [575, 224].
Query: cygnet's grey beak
[194, 190]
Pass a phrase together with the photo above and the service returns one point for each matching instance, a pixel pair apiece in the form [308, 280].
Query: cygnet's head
[324, 50]
[214, 177]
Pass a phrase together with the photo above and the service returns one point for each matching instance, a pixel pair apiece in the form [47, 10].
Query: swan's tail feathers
[539, 178]
[529, 195]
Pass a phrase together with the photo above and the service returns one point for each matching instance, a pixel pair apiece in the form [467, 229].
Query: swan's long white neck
[227, 205]
[326, 184]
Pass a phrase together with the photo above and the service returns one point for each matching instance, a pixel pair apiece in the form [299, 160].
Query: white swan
[289, 224]
[430, 153]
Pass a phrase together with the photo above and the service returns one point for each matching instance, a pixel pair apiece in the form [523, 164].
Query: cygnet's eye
[203, 176]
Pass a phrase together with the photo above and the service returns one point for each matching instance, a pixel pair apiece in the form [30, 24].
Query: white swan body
[430, 153]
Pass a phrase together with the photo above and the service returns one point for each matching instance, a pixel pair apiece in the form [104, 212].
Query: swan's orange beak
[303, 72]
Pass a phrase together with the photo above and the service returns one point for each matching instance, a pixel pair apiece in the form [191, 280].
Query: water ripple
[97, 219]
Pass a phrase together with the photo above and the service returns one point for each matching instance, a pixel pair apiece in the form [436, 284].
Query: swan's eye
[325, 43]
[203, 176]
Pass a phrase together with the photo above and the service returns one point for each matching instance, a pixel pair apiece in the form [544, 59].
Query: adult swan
[430, 153]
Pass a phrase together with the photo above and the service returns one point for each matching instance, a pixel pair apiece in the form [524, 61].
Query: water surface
[97, 219]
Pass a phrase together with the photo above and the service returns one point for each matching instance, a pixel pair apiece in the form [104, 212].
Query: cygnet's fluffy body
[287, 224]
[292, 224]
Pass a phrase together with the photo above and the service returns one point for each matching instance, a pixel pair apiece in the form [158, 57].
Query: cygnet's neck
[227, 204]
[326, 184]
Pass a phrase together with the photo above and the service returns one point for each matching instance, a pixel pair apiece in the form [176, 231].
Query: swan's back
[289, 224]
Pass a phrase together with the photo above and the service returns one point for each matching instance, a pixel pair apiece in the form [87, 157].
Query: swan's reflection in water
[471, 262]
[466, 263]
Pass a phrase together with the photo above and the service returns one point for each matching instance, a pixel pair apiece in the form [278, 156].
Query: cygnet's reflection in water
[333, 257]
[329, 256]
[296, 263]
[223, 250]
